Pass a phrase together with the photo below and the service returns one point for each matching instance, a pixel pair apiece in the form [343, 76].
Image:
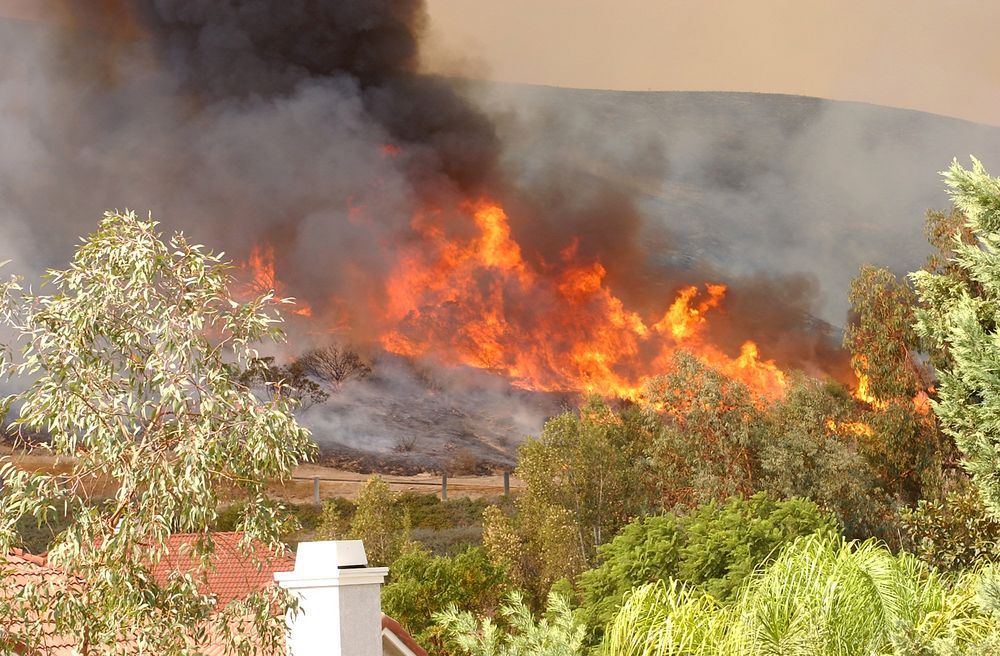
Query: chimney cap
[318, 558]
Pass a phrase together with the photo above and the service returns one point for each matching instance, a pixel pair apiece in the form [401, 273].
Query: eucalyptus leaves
[129, 359]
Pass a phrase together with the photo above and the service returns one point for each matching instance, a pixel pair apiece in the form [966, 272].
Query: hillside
[754, 183]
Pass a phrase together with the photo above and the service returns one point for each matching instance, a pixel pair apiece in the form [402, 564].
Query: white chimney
[340, 610]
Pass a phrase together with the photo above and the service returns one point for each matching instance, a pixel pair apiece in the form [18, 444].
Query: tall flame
[477, 301]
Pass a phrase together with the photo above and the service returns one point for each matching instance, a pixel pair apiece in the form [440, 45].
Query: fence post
[444, 487]
[316, 499]
[506, 483]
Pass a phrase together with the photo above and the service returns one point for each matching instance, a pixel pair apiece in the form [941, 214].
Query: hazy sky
[938, 56]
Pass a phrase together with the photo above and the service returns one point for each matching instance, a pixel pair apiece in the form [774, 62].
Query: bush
[421, 584]
[822, 596]
[448, 541]
[715, 548]
[430, 512]
[380, 522]
[557, 633]
[952, 533]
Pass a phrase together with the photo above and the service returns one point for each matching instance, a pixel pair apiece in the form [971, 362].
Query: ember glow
[475, 300]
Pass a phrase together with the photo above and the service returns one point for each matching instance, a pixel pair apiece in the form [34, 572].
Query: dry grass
[333, 482]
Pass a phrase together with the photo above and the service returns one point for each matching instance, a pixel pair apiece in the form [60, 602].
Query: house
[339, 594]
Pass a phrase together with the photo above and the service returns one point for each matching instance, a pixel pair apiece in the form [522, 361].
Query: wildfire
[475, 300]
[858, 428]
[863, 391]
[261, 271]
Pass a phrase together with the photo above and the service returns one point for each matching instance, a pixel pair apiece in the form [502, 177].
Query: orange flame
[475, 300]
[858, 428]
[261, 269]
[863, 391]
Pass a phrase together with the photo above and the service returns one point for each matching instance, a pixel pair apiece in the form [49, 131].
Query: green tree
[821, 596]
[421, 585]
[952, 533]
[961, 321]
[557, 633]
[813, 450]
[712, 433]
[584, 478]
[127, 364]
[905, 447]
[881, 338]
[716, 548]
[332, 523]
[381, 522]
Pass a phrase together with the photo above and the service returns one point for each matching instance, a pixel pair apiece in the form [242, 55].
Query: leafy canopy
[421, 585]
[960, 317]
[556, 633]
[821, 596]
[715, 547]
[129, 363]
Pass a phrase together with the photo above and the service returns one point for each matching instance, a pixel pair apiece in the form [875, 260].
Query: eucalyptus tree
[127, 359]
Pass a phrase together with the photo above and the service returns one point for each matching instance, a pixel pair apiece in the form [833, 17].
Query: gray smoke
[243, 122]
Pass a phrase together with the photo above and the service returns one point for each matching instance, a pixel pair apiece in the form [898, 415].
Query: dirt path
[332, 481]
[337, 482]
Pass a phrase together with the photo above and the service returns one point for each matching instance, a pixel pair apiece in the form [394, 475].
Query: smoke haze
[308, 125]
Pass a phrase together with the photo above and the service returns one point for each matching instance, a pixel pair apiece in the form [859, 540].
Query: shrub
[557, 633]
[822, 596]
[380, 522]
[429, 511]
[715, 548]
[421, 584]
[952, 533]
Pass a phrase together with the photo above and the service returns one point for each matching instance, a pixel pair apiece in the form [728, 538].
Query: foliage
[421, 585]
[36, 538]
[557, 633]
[711, 435]
[943, 230]
[535, 546]
[953, 533]
[429, 511]
[128, 369]
[906, 450]
[584, 478]
[821, 596]
[333, 523]
[880, 335]
[448, 541]
[380, 522]
[812, 451]
[715, 548]
[961, 321]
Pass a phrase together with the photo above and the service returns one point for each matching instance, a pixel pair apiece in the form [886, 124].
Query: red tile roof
[233, 574]
[18, 570]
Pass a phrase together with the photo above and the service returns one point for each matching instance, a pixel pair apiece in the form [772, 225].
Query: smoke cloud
[307, 125]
